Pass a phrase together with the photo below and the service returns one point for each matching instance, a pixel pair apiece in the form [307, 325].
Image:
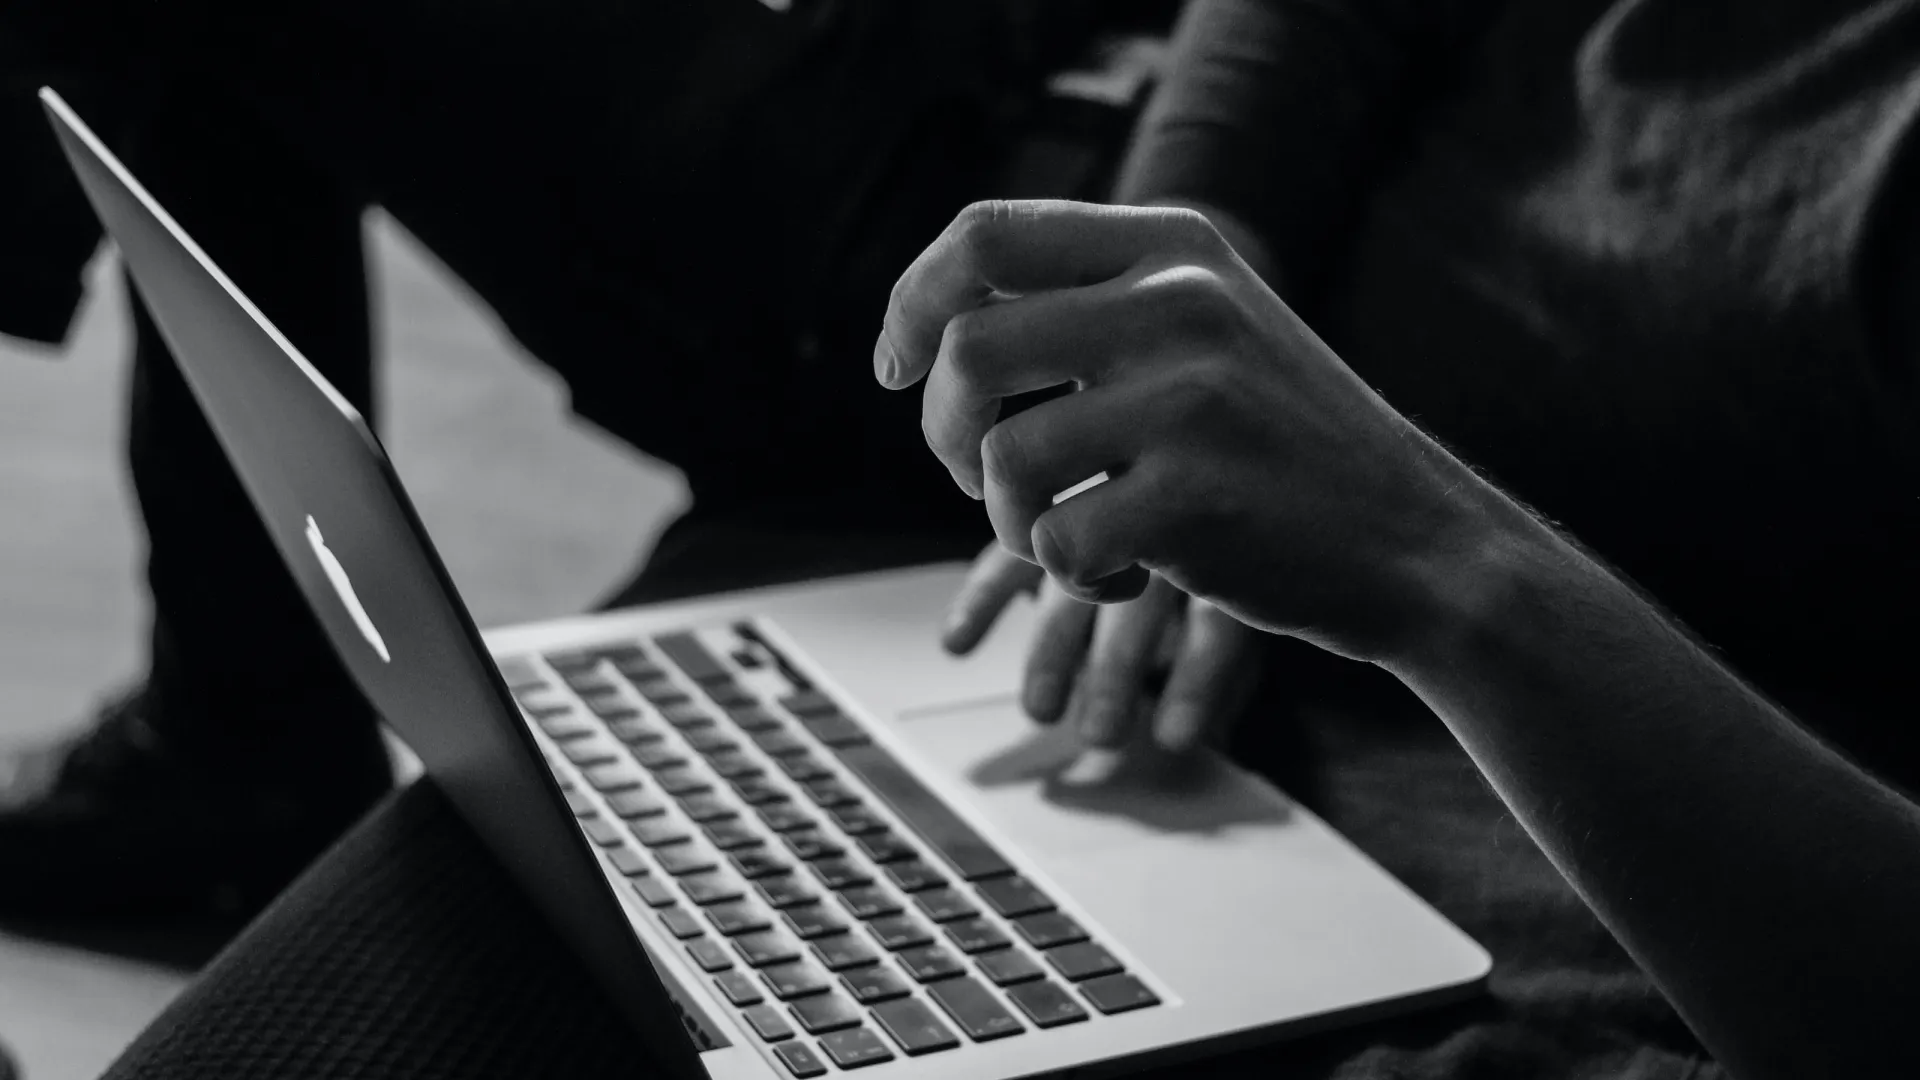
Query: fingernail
[885, 366]
[1178, 728]
[1042, 696]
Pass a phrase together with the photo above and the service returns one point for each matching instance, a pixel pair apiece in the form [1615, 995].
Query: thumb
[996, 577]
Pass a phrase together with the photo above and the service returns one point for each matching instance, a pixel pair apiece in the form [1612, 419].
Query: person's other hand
[1247, 465]
[1097, 668]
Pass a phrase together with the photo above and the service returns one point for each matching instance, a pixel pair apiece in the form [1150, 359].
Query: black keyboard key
[840, 873]
[573, 661]
[975, 1009]
[682, 781]
[639, 670]
[1082, 961]
[865, 902]
[657, 756]
[732, 765]
[753, 718]
[828, 791]
[810, 921]
[815, 921]
[896, 932]
[942, 905]
[885, 847]
[758, 791]
[710, 741]
[914, 875]
[766, 947]
[731, 833]
[604, 832]
[704, 806]
[618, 776]
[842, 951]
[635, 804]
[976, 935]
[683, 859]
[729, 694]
[1008, 966]
[877, 983]
[795, 980]
[658, 832]
[800, 1059]
[767, 1022]
[929, 963]
[738, 917]
[543, 713]
[784, 817]
[566, 726]
[653, 892]
[739, 988]
[955, 840]
[778, 742]
[914, 1026]
[1012, 897]
[628, 861]
[710, 955]
[661, 692]
[1049, 928]
[808, 703]
[581, 804]
[826, 1012]
[610, 707]
[855, 819]
[637, 732]
[681, 923]
[855, 1047]
[588, 752]
[835, 729]
[1118, 993]
[786, 891]
[692, 657]
[758, 863]
[705, 889]
[686, 716]
[1046, 1004]
[802, 767]
[810, 844]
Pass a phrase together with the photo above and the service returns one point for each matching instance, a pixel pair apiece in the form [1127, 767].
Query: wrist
[1467, 585]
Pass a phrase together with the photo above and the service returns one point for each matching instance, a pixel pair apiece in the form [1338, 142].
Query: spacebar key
[939, 826]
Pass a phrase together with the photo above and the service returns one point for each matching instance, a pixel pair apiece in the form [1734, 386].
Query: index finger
[1016, 248]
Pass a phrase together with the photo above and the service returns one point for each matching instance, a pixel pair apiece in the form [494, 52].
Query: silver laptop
[789, 834]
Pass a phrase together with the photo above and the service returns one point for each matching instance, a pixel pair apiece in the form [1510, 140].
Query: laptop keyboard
[750, 827]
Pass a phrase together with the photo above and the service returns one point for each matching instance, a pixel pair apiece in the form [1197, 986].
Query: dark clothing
[1639, 259]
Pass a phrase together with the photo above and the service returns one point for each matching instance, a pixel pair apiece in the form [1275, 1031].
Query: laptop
[790, 835]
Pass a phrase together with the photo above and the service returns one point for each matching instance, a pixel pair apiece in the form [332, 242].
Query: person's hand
[1247, 465]
[1096, 668]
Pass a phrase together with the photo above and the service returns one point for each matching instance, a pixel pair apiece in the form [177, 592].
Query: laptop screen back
[336, 512]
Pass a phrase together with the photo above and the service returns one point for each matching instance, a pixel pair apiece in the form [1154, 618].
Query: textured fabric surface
[407, 952]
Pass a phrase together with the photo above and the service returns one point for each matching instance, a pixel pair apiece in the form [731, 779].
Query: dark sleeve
[1277, 111]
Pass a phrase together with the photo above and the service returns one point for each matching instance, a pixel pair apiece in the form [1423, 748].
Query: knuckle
[978, 229]
[1194, 301]
[964, 342]
[1196, 231]
[1004, 455]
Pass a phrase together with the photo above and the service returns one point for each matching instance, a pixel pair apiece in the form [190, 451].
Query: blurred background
[478, 433]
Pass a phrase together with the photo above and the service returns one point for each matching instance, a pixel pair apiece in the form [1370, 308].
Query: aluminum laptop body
[792, 796]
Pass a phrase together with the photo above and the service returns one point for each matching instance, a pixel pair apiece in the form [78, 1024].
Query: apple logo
[344, 586]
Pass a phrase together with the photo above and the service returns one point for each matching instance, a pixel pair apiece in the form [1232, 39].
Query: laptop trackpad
[1052, 795]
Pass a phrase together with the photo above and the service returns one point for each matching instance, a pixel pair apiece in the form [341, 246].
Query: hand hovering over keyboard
[1248, 466]
[1097, 667]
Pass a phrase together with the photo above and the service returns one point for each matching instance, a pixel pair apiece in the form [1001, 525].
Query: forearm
[1771, 888]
